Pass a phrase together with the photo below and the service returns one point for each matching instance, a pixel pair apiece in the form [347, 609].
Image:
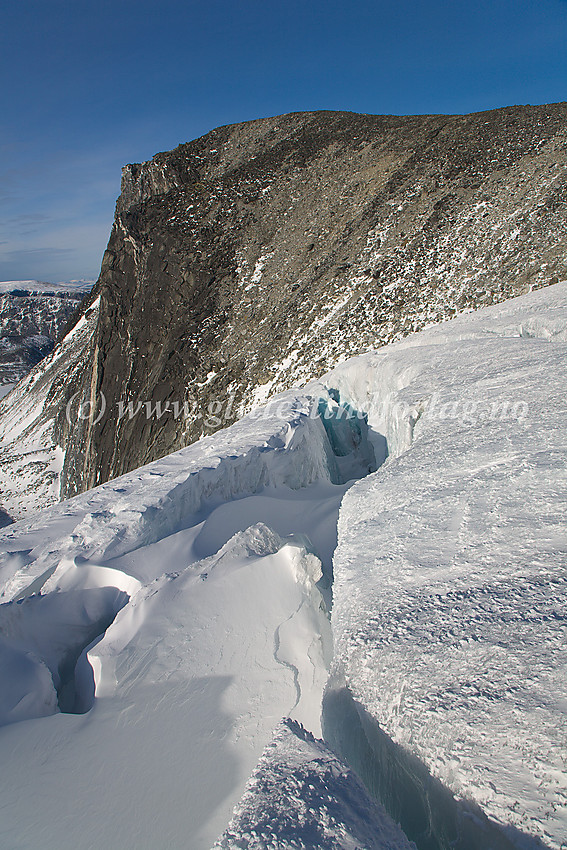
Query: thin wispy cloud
[26, 220]
[37, 252]
[60, 249]
[58, 215]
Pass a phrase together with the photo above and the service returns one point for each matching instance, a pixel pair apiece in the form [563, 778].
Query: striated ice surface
[301, 795]
[450, 616]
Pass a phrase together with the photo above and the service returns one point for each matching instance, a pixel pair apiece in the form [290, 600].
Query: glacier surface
[155, 630]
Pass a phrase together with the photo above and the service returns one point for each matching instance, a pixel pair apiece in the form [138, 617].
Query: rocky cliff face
[263, 253]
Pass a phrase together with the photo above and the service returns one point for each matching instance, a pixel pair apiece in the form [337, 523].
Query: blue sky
[89, 85]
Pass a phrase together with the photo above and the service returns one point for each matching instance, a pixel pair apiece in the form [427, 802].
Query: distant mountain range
[42, 287]
[33, 314]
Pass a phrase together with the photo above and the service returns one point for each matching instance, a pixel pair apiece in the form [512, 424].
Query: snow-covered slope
[190, 680]
[179, 609]
[31, 455]
[42, 287]
[225, 631]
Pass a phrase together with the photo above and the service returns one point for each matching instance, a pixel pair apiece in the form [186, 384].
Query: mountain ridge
[264, 253]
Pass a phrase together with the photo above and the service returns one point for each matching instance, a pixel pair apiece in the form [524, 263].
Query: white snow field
[155, 630]
[204, 563]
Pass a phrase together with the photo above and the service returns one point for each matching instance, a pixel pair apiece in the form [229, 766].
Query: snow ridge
[449, 595]
[285, 446]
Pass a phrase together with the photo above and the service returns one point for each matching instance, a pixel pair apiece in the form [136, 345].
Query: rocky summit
[264, 253]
